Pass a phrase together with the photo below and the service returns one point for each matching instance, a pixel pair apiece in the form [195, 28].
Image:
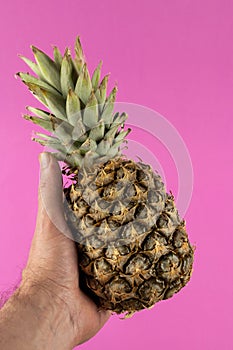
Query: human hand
[60, 315]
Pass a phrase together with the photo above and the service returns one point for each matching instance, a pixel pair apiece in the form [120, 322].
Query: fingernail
[44, 159]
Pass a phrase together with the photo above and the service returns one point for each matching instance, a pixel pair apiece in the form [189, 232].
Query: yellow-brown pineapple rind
[133, 247]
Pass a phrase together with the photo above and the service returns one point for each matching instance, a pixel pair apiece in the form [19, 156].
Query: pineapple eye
[141, 212]
[153, 196]
[165, 266]
[89, 221]
[169, 207]
[152, 287]
[158, 183]
[101, 266]
[166, 225]
[116, 208]
[162, 221]
[129, 190]
[180, 241]
[187, 263]
[104, 177]
[119, 173]
[169, 266]
[103, 205]
[94, 242]
[156, 246]
[94, 284]
[119, 286]
[150, 242]
[127, 232]
[123, 250]
[113, 224]
[142, 188]
[141, 175]
[137, 264]
[132, 304]
[173, 288]
[130, 167]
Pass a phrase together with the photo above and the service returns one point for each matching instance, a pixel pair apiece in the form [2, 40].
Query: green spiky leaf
[34, 67]
[88, 145]
[47, 67]
[101, 92]
[57, 57]
[96, 76]
[90, 113]
[97, 133]
[79, 59]
[37, 92]
[45, 124]
[78, 49]
[55, 104]
[107, 115]
[121, 136]
[66, 75]
[83, 87]
[103, 147]
[29, 79]
[73, 107]
[39, 112]
[79, 131]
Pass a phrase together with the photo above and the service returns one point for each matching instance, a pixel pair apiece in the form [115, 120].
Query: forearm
[32, 320]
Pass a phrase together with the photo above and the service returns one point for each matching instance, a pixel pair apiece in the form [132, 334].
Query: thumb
[50, 206]
[51, 250]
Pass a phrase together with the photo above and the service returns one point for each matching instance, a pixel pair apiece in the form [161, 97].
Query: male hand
[49, 306]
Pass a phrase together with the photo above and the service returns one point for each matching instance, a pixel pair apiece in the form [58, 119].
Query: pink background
[174, 56]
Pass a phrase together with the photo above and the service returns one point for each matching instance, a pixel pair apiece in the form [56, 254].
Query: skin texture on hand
[49, 310]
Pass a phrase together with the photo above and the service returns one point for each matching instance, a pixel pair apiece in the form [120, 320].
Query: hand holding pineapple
[49, 310]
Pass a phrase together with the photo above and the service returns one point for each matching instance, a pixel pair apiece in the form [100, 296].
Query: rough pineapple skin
[133, 247]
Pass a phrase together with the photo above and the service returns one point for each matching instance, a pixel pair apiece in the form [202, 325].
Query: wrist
[51, 308]
[34, 317]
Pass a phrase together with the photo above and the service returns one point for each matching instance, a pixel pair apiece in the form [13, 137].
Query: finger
[51, 194]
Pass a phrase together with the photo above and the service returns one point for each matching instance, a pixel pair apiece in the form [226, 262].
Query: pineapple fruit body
[133, 247]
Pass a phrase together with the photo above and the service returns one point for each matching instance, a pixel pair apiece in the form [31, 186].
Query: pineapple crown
[80, 117]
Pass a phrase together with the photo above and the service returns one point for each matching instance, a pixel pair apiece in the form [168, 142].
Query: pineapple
[133, 246]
